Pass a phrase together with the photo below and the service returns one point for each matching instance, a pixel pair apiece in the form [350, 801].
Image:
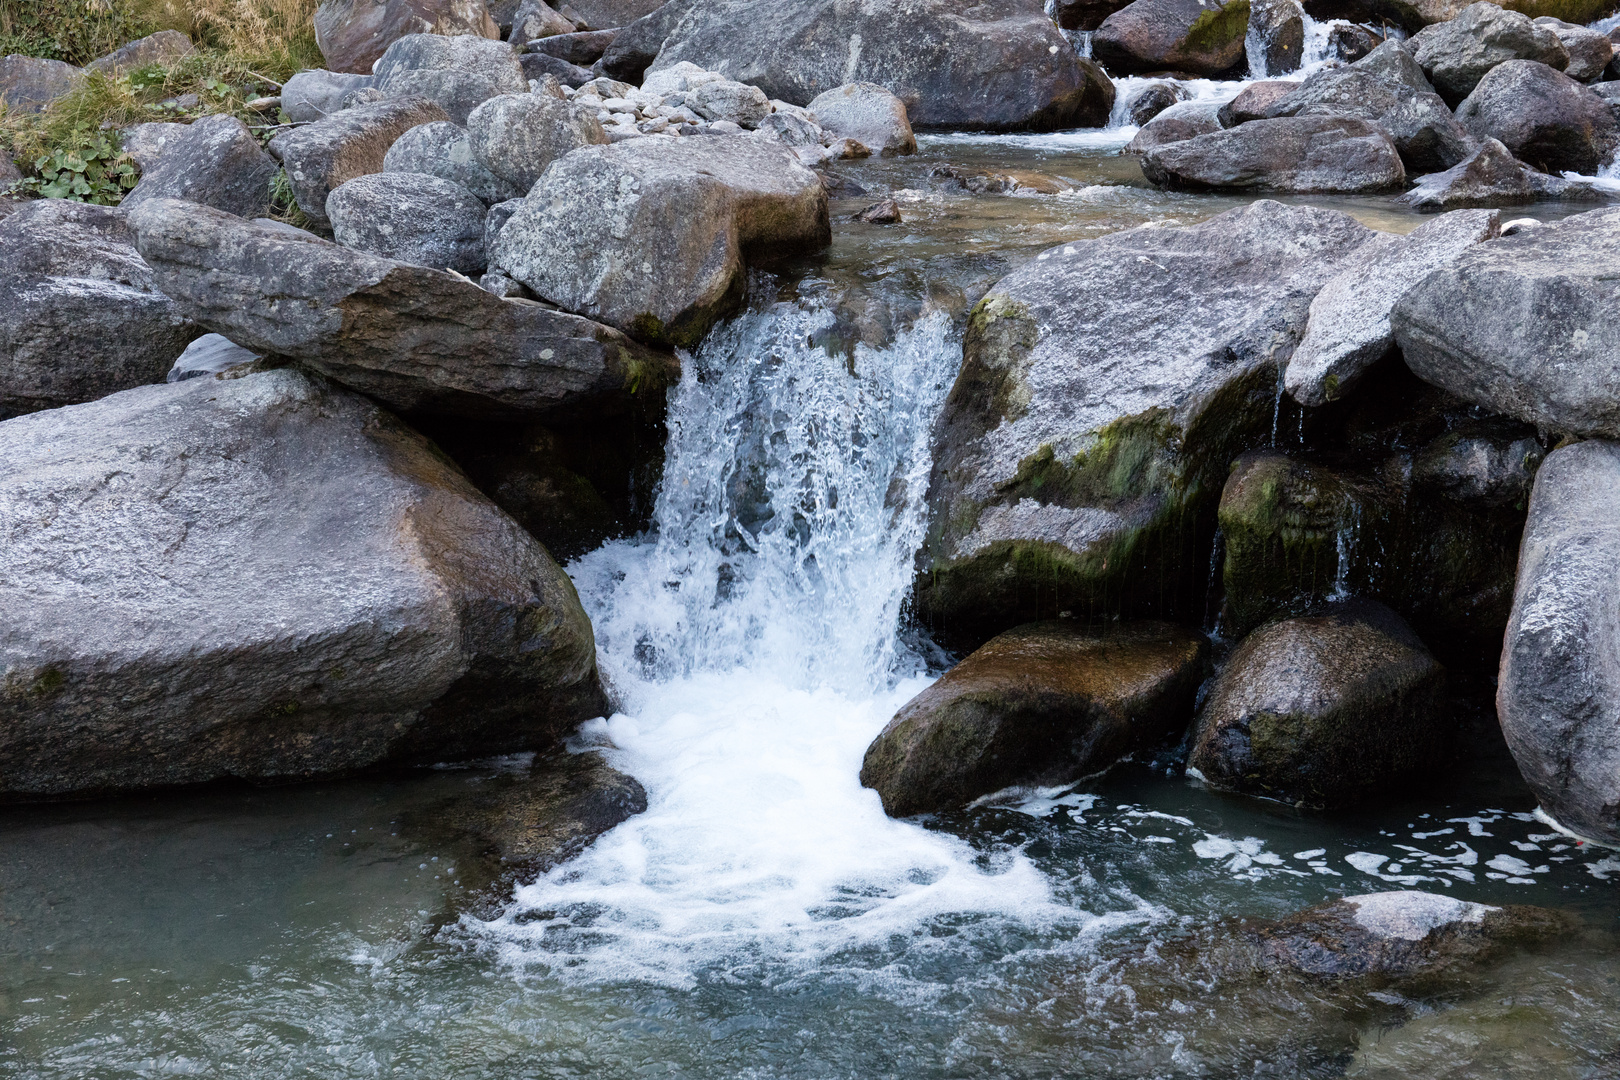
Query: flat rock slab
[652, 235]
[1044, 703]
[1301, 154]
[1558, 696]
[1105, 388]
[397, 615]
[1527, 325]
[1349, 327]
[80, 314]
[418, 339]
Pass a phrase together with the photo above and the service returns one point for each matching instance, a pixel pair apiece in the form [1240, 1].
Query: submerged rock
[1349, 329]
[420, 340]
[1173, 35]
[1559, 694]
[1044, 703]
[354, 142]
[216, 161]
[1001, 65]
[397, 615]
[652, 236]
[1542, 116]
[80, 314]
[1458, 53]
[1491, 176]
[1323, 710]
[1313, 155]
[354, 34]
[1105, 388]
[1525, 325]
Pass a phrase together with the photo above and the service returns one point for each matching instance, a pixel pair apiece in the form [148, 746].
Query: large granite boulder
[998, 65]
[354, 34]
[1323, 710]
[1545, 118]
[1589, 51]
[459, 73]
[1275, 42]
[1105, 388]
[1558, 696]
[873, 117]
[166, 47]
[411, 218]
[653, 235]
[1388, 88]
[80, 315]
[1300, 154]
[536, 20]
[314, 95]
[1491, 176]
[1349, 329]
[1525, 325]
[29, 83]
[442, 149]
[417, 339]
[1044, 703]
[283, 582]
[1458, 53]
[354, 142]
[1173, 35]
[516, 136]
[218, 162]
[580, 47]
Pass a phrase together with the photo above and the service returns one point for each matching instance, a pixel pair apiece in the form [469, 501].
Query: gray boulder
[1254, 101]
[443, 149]
[868, 114]
[354, 142]
[1459, 53]
[1303, 154]
[1545, 118]
[1152, 100]
[1000, 65]
[314, 95]
[397, 615]
[419, 340]
[354, 34]
[29, 83]
[637, 44]
[1323, 710]
[1485, 463]
[211, 354]
[145, 143]
[727, 99]
[1525, 325]
[1387, 88]
[1184, 120]
[80, 315]
[1610, 93]
[1348, 330]
[539, 65]
[517, 136]
[1173, 35]
[1491, 176]
[1105, 388]
[1589, 51]
[583, 47]
[1044, 703]
[652, 235]
[410, 218]
[536, 19]
[1558, 695]
[499, 214]
[460, 73]
[1275, 42]
[164, 47]
[605, 14]
[217, 162]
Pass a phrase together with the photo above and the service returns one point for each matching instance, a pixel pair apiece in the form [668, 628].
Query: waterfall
[752, 642]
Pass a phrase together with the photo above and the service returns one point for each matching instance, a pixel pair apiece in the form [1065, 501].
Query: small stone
[886, 212]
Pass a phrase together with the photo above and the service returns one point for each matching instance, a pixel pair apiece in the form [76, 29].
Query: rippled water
[763, 917]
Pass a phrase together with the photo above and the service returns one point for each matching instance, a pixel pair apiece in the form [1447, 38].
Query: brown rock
[353, 34]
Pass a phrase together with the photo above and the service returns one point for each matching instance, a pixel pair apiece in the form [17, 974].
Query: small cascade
[1345, 548]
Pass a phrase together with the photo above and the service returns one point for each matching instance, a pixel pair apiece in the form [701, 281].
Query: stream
[764, 918]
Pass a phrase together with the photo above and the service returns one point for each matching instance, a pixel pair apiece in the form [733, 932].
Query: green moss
[1217, 28]
[47, 683]
[1000, 334]
[1127, 459]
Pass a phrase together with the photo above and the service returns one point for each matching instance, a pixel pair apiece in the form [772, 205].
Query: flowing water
[764, 918]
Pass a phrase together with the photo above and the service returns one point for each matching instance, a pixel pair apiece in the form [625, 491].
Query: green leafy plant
[88, 168]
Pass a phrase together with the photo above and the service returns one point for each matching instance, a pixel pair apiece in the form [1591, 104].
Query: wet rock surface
[1082, 440]
[1184, 120]
[1307, 155]
[80, 314]
[1276, 35]
[1524, 325]
[1175, 35]
[1491, 176]
[1559, 694]
[417, 339]
[1323, 710]
[432, 625]
[1044, 703]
